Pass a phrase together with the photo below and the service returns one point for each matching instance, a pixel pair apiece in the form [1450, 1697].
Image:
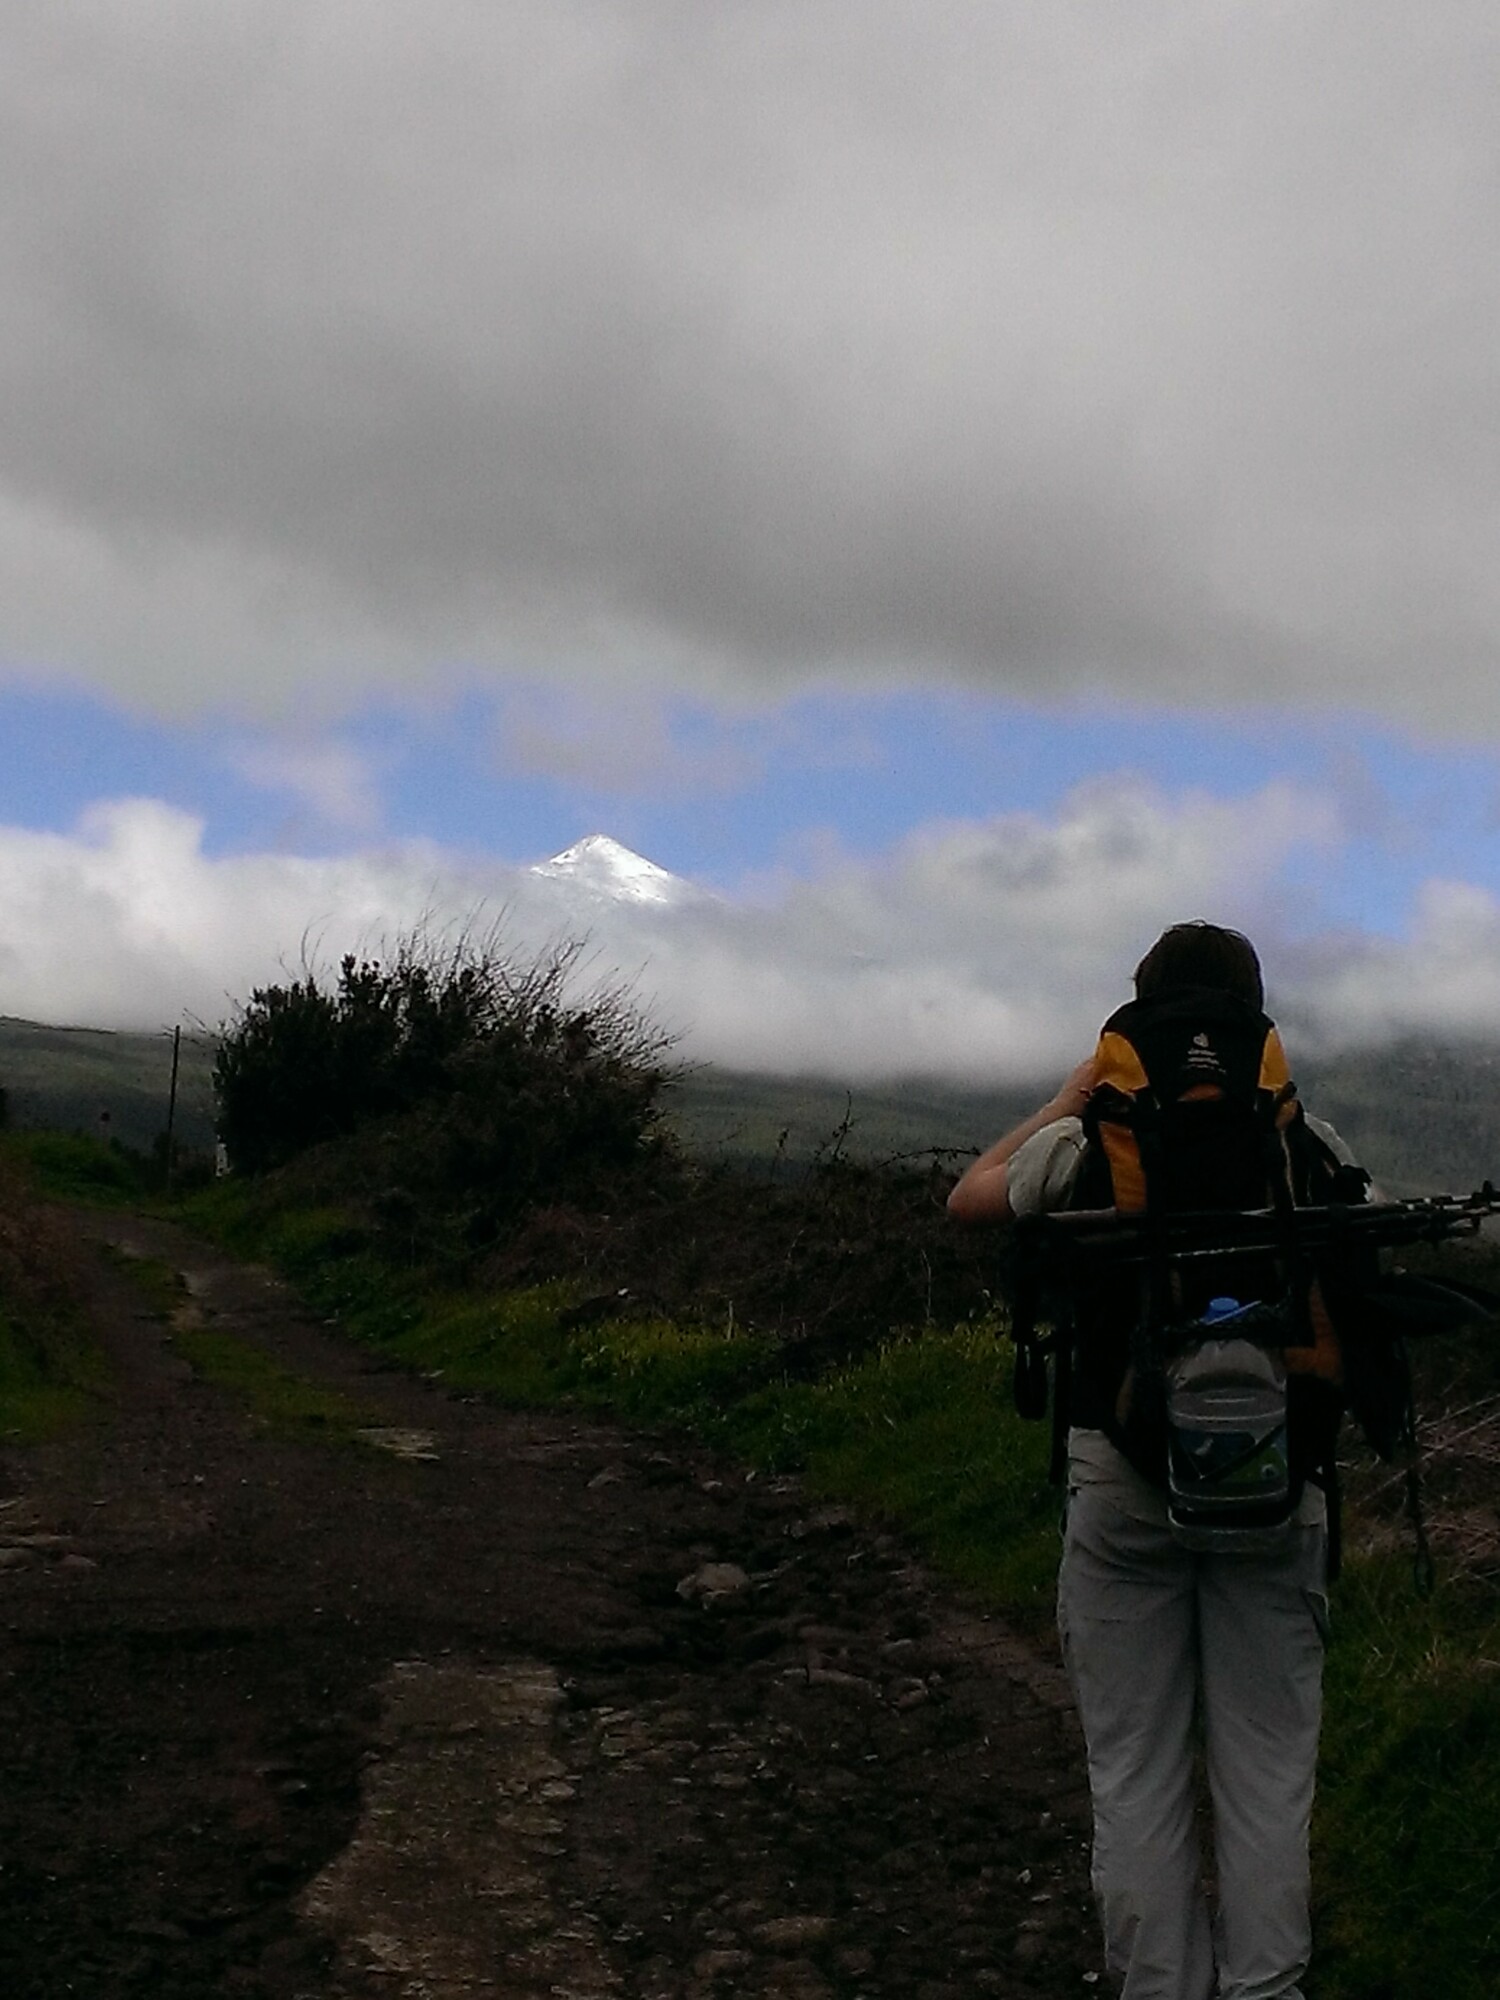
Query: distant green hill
[1422, 1116]
[750, 1120]
[66, 1078]
[63, 1078]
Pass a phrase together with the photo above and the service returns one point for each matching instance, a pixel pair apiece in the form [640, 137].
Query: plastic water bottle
[1228, 1472]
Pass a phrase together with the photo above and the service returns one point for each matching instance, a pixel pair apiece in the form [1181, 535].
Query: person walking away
[1156, 1630]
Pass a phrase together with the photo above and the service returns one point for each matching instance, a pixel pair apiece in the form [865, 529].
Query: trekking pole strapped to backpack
[1117, 1236]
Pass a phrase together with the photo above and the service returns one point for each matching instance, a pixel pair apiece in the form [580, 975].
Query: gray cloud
[614, 742]
[1056, 348]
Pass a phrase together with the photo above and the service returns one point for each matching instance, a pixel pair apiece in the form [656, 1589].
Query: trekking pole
[1114, 1236]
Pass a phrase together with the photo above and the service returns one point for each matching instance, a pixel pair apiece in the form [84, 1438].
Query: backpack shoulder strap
[1116, 1107]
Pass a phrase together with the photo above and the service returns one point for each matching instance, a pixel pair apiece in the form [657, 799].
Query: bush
[495, 1084]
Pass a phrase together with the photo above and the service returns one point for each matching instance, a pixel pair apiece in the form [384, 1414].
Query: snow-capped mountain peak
[605, 868]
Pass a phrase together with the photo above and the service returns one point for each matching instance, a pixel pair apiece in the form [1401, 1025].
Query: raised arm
[982, 1192]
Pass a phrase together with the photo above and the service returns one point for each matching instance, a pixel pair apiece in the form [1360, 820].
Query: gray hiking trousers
[1152, 1634]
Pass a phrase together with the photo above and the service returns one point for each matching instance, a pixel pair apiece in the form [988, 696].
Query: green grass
[66, 1166]
[923, 1432]
[285, 1404]
[50, 1377]
[1408, 1831]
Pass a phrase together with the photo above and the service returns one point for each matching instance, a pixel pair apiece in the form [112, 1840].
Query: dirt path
[546, 1709]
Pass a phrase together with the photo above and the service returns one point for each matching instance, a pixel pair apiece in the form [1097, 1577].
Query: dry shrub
[1456, 1390]
[829, 1263]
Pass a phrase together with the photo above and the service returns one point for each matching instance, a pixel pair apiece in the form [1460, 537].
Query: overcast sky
[837, 447]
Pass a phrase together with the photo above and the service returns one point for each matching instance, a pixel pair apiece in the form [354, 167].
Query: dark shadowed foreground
[332, 1684]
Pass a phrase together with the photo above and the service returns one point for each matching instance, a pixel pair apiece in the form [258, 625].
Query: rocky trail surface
[485, 1703]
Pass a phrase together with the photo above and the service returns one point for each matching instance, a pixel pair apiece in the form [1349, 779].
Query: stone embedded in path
[712, 1582]
[793, 1933]
[420, 1447]
[721, 1964]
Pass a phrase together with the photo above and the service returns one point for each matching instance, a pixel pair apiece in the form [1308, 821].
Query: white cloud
[128, 923]
[1441, 978]
[1055, 347]
[973, 950]
[987, 948]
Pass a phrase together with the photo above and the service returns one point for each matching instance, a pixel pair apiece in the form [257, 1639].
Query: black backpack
[1221, 1376]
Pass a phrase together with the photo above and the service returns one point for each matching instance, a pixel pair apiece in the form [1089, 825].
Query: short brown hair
[1200, 954]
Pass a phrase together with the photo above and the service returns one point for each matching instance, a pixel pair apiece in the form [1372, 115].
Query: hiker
[1154, 1630]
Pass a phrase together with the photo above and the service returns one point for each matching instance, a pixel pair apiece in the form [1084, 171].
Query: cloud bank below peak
[1047, 349]
[972, 950]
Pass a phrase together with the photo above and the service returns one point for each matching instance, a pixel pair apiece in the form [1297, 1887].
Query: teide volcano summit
[601, 867]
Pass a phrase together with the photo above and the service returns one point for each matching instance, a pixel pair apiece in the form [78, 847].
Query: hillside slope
[1423, 1116]
[65, 1078]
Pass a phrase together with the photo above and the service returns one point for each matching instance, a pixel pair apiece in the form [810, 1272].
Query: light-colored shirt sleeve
[1321, 1129]
[1042, 1174]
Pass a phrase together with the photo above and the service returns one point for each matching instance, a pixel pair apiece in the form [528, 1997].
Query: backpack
[1221, 1378]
